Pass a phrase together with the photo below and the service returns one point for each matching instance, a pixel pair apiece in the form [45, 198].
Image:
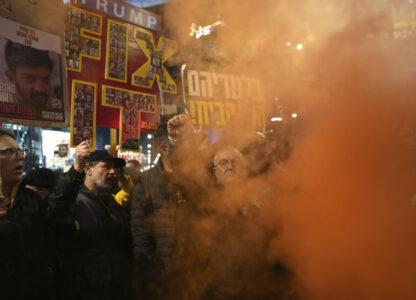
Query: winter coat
[24, 272]
[153, 216]
[153, 220]
[59, 211]
[100, 258]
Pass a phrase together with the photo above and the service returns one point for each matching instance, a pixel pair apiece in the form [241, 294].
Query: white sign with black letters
[122, 11]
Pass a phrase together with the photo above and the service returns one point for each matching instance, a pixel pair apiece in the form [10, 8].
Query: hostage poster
[115, 70]
[31, 91]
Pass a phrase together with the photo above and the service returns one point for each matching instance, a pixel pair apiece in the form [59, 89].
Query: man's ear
[88, 170]
[11, 76]
[163, 149]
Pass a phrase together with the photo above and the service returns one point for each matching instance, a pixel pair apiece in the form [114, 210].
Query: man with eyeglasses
[229, 165]
[11, 169]
[23, 270]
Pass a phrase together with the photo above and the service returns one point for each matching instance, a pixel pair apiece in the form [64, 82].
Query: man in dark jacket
[100, 257]
[59, 214]
[24, 272]
[156, 198]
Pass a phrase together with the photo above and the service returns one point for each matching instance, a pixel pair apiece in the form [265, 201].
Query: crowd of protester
[188, 228]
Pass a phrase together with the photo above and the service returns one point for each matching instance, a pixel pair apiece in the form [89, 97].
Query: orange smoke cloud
[344, 209]
[349, 223]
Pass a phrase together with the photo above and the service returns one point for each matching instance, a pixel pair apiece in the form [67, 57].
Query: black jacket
[59, 213]
[24, 271]
[101, 248]
[34, 239]
[154, 207]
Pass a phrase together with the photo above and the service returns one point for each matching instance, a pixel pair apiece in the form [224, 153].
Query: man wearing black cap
[101, 177]
[102, 238]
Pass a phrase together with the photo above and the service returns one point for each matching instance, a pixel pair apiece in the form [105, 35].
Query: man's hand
[179, 127]
[82, 152]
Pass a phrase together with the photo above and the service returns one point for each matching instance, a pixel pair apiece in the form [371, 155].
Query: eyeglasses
[224, 162]
[12, 152]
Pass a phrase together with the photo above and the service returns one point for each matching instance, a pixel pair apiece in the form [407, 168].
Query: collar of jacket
[102, 198]
[89, 193]
[169, 176]
[13, 194]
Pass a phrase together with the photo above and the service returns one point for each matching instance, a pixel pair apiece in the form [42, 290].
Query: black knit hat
[41, 178]
[104, 155]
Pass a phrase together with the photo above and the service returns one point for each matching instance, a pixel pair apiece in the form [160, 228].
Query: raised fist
[82, 152]
[179, 127]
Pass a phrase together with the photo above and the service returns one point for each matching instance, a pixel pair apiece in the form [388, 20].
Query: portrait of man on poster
[63, 150]
[30, 70]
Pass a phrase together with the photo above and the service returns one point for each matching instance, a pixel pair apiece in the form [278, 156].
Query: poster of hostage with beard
[30, 76]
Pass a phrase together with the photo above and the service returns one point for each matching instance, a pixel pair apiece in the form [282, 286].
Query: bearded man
[101, 251]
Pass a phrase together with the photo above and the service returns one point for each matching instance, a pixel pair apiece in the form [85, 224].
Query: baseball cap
[104, 155]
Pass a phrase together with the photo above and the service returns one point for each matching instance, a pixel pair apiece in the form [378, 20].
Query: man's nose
[20, 155]
[229, 165]
[40, 86]
[173, 131]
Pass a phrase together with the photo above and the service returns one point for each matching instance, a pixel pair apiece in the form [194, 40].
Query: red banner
[116, 73]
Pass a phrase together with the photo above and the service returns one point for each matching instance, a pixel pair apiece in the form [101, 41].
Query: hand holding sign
[82, 152]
